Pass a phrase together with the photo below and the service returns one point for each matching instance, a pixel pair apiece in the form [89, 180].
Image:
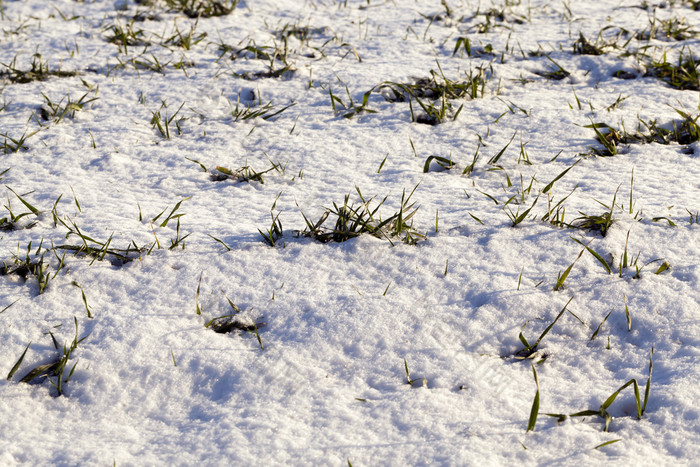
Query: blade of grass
[199, 285]
[600, 325]
[562, 277]
[606, 443]
[595, 255]
[19, 362]
[495, 158]
[544, 333]
[535, 404]
[34, 210]
[648, 385]
[8, 306]
[220, 241]
[550, 184]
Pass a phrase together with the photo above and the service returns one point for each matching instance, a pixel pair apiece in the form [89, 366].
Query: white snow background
[339, 322]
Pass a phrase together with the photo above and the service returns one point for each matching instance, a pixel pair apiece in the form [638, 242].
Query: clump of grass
[352, 221]
[15, 145]
[30, 265]
[56, 111]
[601, 222]
[203, 8]
[556, 74]
[274, 233]
[671, 29]
[56, 369]
[245, 173]
[583, 46]
[162, 122]
[285, 71]
[603, 412]
[13, 222]
[251, 51]
[609, 137]
[96, 249]
[233, 322]
[470, 49]
[433, 94]
[517, 217]
[186, 40]
[681, 75]
[266, 112]
[351, 108]
[126, 36]
[39, 71]
[684, 131]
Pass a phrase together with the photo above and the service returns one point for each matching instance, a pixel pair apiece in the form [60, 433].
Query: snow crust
[154, 386]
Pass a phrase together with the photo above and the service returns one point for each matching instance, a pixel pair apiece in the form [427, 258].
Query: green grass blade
[648, 385]
[614, 395]
[442, 161]
[221, 241]
[19, 362]
[600, 325]
[535, 404]
[475, 218]
[562, 277]
[606, 443]
[8, 306]
[550, 184]
[199, 285]
[544, 333]
[595, 254]
[39, 371]
[495, 158]
[34, 210]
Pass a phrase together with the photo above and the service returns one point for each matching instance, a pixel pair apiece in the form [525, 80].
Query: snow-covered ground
[142, 110]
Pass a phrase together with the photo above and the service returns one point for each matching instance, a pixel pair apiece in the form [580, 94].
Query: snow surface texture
[337, 320]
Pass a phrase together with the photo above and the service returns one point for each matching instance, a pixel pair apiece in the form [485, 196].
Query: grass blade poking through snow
[648, 386]
[19, 362]
[639, 406]
[561, 278]
[199, 285]
[87, 308]
[551, 184]
[34, 210]
[8, 306]
[443, 162]
[530, 350]
[494, 159]
[516, 218]
[595, 254]
[257, 335]
[607, 443]
[600, 325]
[535, 404]
[410, 381]
[172, 214]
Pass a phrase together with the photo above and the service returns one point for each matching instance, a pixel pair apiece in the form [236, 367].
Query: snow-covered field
[150, 158]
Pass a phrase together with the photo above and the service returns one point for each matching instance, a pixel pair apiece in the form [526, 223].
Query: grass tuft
[352, 221]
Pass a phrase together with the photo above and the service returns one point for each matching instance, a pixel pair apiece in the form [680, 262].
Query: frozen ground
[339, 322]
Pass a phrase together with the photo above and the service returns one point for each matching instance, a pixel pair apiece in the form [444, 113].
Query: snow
[153, 386]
